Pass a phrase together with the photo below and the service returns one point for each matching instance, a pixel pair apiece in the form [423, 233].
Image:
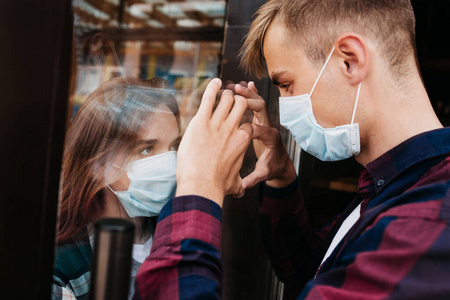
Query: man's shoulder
[429, 199]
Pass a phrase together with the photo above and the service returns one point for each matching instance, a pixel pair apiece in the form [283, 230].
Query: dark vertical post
[111, 265]
[247, 272]
[121, 12]
[34, 81]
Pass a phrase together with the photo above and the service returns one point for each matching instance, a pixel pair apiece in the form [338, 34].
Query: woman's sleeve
[60, 291]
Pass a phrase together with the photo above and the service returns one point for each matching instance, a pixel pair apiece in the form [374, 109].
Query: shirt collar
[380, 172]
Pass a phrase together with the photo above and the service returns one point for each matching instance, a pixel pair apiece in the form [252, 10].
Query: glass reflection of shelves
[344, 184]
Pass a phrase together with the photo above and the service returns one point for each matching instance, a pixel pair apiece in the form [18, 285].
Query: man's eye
[175, 147]
[147, 151]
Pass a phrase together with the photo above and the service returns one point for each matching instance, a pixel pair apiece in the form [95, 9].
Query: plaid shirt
[400, 246]
[398, 249]
[72, 270]
[185, 260]
[72, 274]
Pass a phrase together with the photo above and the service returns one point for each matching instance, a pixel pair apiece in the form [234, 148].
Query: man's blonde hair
[314, 25]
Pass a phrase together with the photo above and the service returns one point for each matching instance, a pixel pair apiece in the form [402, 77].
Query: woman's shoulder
[72, 266]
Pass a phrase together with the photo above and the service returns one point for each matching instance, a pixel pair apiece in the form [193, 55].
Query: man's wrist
[203, 189]
[288, 177]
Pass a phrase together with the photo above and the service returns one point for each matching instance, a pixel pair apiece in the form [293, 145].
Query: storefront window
[179, 41]
[139, 70]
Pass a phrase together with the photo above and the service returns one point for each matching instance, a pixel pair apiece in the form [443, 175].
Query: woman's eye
[285, 87]
[147, 151]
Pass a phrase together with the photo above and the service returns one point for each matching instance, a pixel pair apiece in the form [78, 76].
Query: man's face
[294, 74]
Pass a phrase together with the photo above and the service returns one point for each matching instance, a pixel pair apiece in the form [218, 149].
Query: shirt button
[380, 182]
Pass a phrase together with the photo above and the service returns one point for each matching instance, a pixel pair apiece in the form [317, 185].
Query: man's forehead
[276, 75]
[275, 31]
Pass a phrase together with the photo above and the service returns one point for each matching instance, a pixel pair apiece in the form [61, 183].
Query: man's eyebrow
[276, 76]
[177, 140]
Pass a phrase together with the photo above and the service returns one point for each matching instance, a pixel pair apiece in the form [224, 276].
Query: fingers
[240, 189]
[243, 83]
[252, 87]
[248, 92]
[246, 131]
[224, 107]
[238, 110]
[247, 128]
[268, 135]
[256, 105]
[231, 109]
[209, 98]
[258, 175]
[230, 85]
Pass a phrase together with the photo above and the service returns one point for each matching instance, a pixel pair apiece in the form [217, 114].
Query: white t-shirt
[343, 230]
[141, 251]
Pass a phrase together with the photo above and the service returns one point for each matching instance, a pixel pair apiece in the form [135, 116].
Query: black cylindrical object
[111, 265]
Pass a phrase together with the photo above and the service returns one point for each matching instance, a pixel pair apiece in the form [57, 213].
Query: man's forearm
[185, 258]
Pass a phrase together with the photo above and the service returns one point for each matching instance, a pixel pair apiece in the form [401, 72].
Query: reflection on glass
[140, 69]
[119, 162]
[179, 41]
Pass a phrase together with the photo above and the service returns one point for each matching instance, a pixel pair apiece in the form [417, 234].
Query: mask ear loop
[320, 74]
[119, 205]
[321, 71]
[356, 102]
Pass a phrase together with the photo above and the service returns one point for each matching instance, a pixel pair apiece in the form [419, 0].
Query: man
[350, 86]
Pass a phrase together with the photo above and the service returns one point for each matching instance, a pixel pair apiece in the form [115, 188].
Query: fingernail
[217, 80]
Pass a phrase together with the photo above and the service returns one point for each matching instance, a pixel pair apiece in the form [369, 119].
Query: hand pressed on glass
[213, 147]
[274, 164]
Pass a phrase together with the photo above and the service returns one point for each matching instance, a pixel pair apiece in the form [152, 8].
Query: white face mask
[326, 144]
[152, 184]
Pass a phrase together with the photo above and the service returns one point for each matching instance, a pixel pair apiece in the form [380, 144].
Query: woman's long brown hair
[106, 126]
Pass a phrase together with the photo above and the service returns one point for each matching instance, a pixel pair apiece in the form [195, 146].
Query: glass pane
[125, 126]
[179, 41]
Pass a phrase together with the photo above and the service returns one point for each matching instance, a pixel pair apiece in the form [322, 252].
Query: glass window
[125, 126]
[180, 41]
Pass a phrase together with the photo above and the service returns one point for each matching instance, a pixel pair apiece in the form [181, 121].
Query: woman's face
[160, 134]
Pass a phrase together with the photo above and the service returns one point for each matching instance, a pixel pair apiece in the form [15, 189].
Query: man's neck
[398, 114]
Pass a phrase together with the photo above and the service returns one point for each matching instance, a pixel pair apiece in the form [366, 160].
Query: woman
[119, 162]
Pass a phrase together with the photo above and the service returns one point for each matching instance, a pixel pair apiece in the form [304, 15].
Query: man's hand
[274, 164]
[213, 147]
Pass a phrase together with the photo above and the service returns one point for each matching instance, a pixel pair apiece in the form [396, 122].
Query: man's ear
[353, 52]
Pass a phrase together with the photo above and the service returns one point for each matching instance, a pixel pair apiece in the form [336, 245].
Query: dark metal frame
[35, 76]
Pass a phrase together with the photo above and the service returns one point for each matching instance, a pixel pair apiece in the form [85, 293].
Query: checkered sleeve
[185, 261]
[293, 247]
[60, 292]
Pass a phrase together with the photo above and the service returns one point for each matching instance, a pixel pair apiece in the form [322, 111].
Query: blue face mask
[326, 144]
[152, 184]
